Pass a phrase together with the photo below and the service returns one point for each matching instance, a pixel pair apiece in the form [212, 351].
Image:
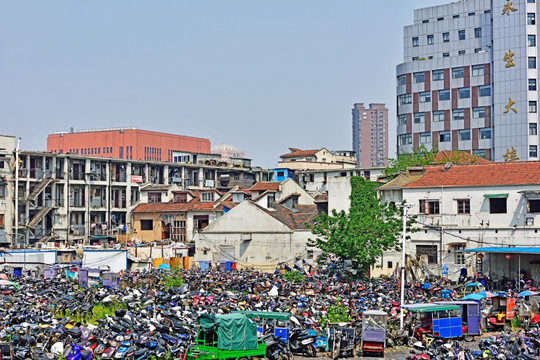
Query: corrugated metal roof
[506, 250]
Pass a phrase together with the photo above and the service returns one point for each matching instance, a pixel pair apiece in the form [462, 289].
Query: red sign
[136, 178]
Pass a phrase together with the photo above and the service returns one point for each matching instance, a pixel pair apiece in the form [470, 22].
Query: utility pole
[403, 266]
[17, 199]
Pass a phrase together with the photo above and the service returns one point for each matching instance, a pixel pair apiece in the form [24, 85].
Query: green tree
[362, 234]
[419, 157]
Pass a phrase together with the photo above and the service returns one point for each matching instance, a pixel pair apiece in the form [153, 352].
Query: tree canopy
[362, 234]
[421, 156]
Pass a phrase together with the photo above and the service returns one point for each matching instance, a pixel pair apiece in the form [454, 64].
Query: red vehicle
[503, 310]
[373, 332]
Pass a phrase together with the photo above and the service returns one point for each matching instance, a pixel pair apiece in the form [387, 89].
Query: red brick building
[125, 143]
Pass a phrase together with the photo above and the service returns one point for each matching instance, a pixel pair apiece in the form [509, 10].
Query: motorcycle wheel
[335, 352]
[411, 340]
[468, 338]
[311, 351]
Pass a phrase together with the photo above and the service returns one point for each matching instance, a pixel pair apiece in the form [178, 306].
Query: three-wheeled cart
[342, 339]
[373, 339]
[435, 321]
[470, 317]
[503, 310]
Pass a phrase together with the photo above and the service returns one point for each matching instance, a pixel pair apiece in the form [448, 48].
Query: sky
[262, 75]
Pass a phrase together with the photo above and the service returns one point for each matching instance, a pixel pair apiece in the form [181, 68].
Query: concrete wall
[339, 192]
[289, 186]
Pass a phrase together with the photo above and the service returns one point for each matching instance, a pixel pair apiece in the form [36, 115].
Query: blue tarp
[506, 250]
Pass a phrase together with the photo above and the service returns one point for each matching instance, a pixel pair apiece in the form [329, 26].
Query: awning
[496, 196]
[530, 194]
[457, 243]
[432, 308]
[506, 250]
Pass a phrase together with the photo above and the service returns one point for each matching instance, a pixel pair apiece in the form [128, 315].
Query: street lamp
[403, 265]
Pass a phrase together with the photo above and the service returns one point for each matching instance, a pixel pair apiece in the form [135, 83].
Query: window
[438, 115]
[405, 139]
[477, 50]
[419, 118]
[440, 19]
[404, 99]
[425, 138]
[531, 40]
[446, 54]
[444, 136]
[459, 256]
[465, 134]
[484, 90]
[430, 40]
[531, 18]
[437, 75]
[531, 1]
[464, 206]
[533, 150]
[425, 96]
[461, 34]
[532, 106]
[478, 33]
[497, 205]
[533, 205]
[458, 114]
[478, 70]
[531, 62]
[445, 37]
[415, 41]
[478, 112]
[147, 225]
[154, 197]
[389, 265]
[178, 231]
[200, 221]
[532, 84]
[429, 207]
[415, 58]
[457, 73]
[428, 250]
[533, 129]
[180, 197]
[444, 95]
[461, 52]
[425, 21]
[3, 191]
[464, 93]
[207, 197]
[402, 119]
[418, 77]
[402, 80]
[480, 153]
[485, 133]
[455, 17]
[2, 221]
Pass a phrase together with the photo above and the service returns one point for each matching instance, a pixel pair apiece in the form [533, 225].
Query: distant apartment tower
[469, 77]
[370, 134]
[228, 152]
[125, 143]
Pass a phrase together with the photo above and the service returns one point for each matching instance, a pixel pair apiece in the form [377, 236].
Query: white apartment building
[473, 206]
[469, 77]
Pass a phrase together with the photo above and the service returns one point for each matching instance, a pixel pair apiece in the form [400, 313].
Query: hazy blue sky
[263, 75]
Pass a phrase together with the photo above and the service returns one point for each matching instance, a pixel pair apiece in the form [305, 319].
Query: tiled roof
[156, 187]
[492, 174]
[321, 198]
[459, 157]
[193, 205]
[294, 219]
[299, 153]
[265, 185]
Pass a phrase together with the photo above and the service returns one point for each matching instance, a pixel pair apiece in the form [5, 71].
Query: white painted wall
[339, 192]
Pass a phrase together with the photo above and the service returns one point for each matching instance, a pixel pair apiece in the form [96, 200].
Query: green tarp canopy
[431, 308]
[235, 331]
[496, 196]
[265, 314]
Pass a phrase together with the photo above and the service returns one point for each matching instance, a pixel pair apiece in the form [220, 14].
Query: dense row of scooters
[45, 319]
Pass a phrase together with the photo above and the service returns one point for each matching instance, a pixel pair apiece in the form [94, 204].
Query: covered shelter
[507, 262]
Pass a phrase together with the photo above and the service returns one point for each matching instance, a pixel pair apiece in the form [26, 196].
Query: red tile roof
[459, 157]
[265, 185]
[299, 153]
[293, 219]
[492, 174]
[176, 207]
